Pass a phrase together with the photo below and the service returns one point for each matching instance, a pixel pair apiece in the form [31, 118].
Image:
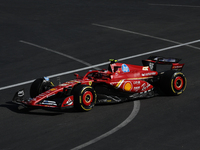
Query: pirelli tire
[39, 86]
[173, 82]
[84, 97]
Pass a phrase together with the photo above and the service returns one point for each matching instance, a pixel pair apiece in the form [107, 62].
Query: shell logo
[127, 86]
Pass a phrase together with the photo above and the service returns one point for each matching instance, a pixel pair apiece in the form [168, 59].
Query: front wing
[67, 102]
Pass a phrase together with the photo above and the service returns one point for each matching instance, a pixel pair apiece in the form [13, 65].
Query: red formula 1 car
[120, 82]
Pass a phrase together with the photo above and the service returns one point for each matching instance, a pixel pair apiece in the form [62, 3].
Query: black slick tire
[173, 82]
[84, 97]
[39, 86]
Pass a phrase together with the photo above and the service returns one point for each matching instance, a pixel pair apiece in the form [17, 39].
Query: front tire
[39, 86]
[84, 97]
[173, 82]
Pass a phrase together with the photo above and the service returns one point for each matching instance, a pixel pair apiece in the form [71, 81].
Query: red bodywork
[121, 77]
[124, 77]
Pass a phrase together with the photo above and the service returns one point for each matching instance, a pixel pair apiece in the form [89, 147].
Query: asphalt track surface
[46, 38]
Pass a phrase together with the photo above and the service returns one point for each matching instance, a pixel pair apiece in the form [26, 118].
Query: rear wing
[152, 62]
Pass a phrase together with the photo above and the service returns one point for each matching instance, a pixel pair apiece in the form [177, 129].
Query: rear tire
[84, 97]
[39, 86]
[173, 82]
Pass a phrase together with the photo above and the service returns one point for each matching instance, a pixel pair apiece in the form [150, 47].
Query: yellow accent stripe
[119, 83]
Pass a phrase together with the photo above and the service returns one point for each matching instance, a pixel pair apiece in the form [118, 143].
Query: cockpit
[113, 67]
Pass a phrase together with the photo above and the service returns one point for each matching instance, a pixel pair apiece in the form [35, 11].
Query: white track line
[56, 52]
[105, 63]
[134, 112]
[141, 34]
[160, 50]
[172, 5]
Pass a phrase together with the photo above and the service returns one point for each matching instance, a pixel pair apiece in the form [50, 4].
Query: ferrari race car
[120, 82]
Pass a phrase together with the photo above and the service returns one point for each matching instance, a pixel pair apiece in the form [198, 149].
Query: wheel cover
[87, 98]
[178, 83]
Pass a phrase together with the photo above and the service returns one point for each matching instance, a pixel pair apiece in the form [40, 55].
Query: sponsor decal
[136, 82]
[145, 68]
[149, 74]
[128, 86]
[177, 67]
[125, 68]
[47, 102]
[69, 101]
[145, 86]
[136, 88]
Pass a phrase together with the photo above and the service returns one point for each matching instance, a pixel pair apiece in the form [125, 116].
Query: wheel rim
[178, 83]
[87, 98]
